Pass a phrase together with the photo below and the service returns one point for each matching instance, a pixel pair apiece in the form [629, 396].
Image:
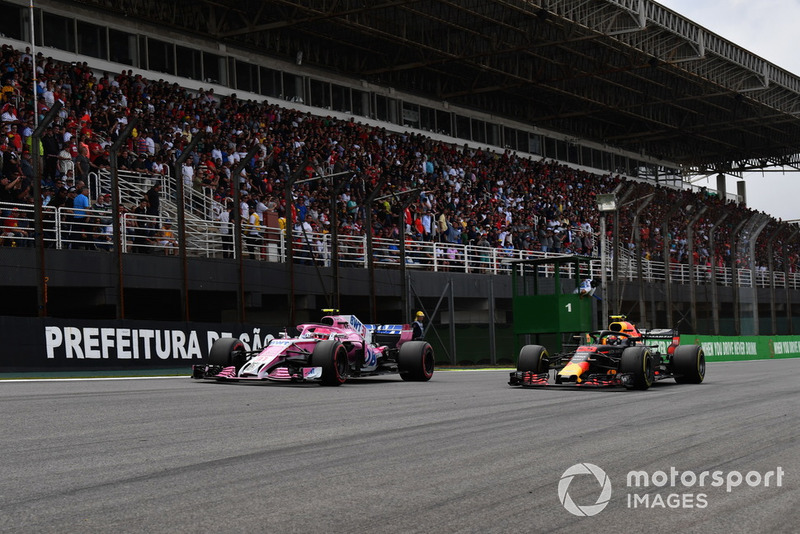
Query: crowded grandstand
[501, 200]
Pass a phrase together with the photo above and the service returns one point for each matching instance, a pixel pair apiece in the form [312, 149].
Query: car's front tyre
[533, 358]
[227, 351]
[331, 356]
[637, 362]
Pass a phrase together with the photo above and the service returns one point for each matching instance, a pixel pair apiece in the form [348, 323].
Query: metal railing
[147, 234]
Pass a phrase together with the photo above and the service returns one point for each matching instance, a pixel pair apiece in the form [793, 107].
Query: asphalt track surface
[461, 453]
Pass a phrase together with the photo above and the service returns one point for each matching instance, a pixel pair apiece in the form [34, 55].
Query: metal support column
[180, 201]
[336, 188]
[737, 320]
[492, 320]
[667, 260]
[714, 288]
[289, 234]
[753, 270]
[38, 222]
[603, 260]
[637, 238]
[692, 267]
[241, 312]
[615, 272]
[773, 312]
[371, 197]
[403, 270]
[786, 274]
[119, 245]
[452, 305]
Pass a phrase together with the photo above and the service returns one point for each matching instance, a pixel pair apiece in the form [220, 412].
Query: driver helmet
[612, 340]
[322, 334]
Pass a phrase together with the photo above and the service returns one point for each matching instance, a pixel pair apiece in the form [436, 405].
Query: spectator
[154, 200]
[226, 229]
[418, 327]
[142, 208]
[187, 175]
[159, 168]
[166, 238]
[103, 202]
[11, 164]
[8, 186]
[104, 234]
[139, 164]
[14, 233]
[254, 234]
[587, 287]
[60, 198]
[141, 235]
[81, 228]
[9, 113]
[65, 162]
[69, 180]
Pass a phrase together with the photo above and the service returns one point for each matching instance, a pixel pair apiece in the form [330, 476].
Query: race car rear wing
[662, 339]
[660, 336]
[659, 333]
[388, 334]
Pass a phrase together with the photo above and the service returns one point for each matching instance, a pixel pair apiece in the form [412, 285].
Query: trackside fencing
[67, 228]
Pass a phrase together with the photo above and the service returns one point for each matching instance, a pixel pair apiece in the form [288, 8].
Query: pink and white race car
[329, 352]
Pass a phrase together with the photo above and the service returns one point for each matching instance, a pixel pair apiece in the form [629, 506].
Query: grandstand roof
[628, 73]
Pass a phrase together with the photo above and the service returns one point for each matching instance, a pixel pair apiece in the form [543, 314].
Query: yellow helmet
[420, 314]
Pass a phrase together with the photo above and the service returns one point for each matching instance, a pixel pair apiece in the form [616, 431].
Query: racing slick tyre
[227, 351]
[533, 358]
[415, 361]
[638, 362]
[331, 356]
[689, 364]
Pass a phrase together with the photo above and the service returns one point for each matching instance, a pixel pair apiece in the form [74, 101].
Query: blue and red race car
[622, 355]
[329, 352]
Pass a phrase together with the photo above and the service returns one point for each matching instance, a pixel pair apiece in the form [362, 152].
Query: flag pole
[33, 66]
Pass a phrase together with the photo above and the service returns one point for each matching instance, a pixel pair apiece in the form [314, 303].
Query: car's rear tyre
[415, 361]
[227, 351]
[638, 363]
[331, 356]
[533, 358]
[689, 364]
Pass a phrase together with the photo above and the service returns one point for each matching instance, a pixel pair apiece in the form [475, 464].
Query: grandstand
[462, 137]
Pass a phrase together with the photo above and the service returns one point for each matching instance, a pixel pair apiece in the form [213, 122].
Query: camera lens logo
[566, 480]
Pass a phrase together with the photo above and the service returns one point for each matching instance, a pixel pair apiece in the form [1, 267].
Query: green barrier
[472, 345]
[730, 348]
